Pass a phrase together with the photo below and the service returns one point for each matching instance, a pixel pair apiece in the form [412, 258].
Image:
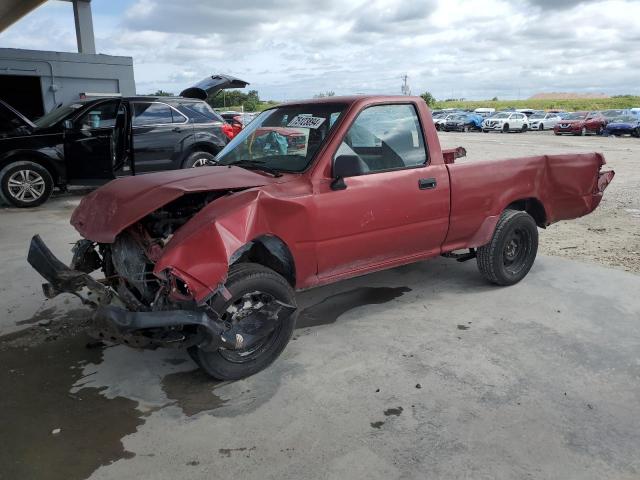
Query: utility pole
[405, 89]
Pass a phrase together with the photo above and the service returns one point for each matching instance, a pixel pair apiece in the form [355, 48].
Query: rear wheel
[25, 184]
[508, 257]
[199, 159]
[251, 286]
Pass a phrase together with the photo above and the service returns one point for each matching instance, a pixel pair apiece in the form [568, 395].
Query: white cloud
[291, 49]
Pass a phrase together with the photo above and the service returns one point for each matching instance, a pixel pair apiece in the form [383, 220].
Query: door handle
[427, 183]
[176, 129]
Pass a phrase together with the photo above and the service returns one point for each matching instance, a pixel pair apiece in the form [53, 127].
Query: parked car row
[605, 122]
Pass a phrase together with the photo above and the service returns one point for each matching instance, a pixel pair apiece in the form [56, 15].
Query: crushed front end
[139, 307]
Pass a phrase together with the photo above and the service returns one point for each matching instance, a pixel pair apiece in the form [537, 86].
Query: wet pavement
[424, 371]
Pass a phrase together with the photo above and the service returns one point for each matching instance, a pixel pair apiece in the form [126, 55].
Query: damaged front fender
[201, 251]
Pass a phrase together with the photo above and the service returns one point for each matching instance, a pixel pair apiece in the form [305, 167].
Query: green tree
[250, 101]
[330, 93]
[494, 99]
[162, 93]
[428, 98]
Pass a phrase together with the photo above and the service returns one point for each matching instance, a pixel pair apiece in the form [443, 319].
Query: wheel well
[270, 251]
[35, 159]
[533, 207]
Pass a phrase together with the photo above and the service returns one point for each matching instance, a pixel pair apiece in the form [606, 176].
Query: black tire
[199, 159]
[557, 133]
[582, 132]
[244, 279]
[505, 128]
[508, 257]
[636, 133]
[541, 127]
[524, 128]
[25, 184]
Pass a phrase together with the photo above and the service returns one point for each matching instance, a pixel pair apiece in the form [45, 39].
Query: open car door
[97, 144]
[210, 86]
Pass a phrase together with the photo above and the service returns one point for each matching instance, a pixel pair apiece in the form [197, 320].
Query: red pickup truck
[209, 259]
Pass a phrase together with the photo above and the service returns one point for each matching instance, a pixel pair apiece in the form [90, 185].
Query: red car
[581, 123]
[209, 259]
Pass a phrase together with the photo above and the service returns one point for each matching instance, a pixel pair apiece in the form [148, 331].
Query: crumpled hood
[110, 209]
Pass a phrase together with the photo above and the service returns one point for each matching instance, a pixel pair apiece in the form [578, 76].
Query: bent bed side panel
[566, 185]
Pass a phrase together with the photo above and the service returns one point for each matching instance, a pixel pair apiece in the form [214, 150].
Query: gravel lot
[609, 236]
[423, 371]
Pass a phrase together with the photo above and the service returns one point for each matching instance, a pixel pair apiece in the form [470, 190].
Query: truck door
[158, 134]
[95, 144]
[397, 210]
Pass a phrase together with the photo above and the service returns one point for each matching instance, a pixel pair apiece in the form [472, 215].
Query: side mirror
[349, 166]
[346, 166]
[67, 125]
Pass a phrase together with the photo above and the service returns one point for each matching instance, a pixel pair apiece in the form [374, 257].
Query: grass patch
[627, 101]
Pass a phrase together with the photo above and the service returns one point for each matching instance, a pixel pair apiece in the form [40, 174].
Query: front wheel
[541, 127]
[25, 184]
[508, 257]
[251, 286]
[505, 128]
[636, 132]
[525, 127]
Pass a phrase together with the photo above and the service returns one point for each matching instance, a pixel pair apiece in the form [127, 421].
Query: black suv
[90, 142]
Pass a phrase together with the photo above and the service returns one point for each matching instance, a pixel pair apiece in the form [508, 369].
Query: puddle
[35, 381]
[328, 310]
[393, 411]
[192, 391]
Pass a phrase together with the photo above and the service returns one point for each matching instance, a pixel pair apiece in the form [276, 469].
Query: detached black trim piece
[60, 277]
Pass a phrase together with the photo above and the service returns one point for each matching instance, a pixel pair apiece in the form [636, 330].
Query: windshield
[501, 115]
[575, 116]
[612, 113]
[537, 116]
[284, 138]
[57, 114]
[625, 119]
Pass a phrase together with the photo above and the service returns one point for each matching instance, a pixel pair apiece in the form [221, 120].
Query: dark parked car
[624, 125]
[465, 122]
[93, 141]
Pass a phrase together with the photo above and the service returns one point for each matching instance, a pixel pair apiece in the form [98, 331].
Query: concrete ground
[423, 371]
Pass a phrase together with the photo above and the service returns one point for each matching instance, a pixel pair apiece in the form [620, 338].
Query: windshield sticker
[304, 121]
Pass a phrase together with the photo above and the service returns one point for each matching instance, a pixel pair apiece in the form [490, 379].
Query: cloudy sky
[292, 49]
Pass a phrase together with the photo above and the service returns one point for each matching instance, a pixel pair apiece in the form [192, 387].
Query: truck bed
[559, 187]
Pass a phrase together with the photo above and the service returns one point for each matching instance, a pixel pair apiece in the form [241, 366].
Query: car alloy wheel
[202, 162]
[26, 185]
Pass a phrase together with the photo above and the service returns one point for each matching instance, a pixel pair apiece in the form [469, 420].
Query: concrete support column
[84, 26]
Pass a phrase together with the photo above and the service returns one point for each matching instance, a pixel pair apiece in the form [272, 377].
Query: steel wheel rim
[248, 303]
[26, 185]
[516, 250]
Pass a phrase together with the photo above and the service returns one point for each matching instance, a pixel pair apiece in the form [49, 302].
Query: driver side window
[99, 116]
[385, 137]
